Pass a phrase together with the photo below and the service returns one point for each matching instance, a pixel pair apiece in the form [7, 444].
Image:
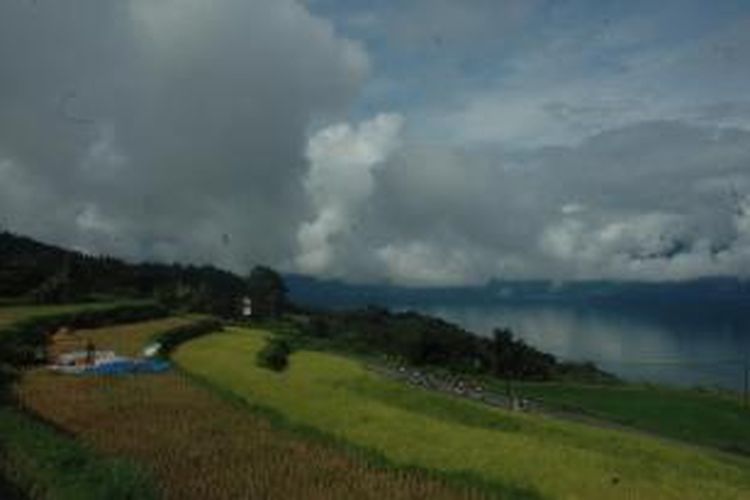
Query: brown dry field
[130, 339]
[199, 445]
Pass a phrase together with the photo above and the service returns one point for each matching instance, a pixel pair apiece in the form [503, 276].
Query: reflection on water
[696, 344]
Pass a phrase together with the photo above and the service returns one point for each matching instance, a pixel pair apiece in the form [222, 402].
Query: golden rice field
[199, 445]
[408, 426]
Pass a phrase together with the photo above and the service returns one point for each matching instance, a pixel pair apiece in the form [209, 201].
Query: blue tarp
[127, 366]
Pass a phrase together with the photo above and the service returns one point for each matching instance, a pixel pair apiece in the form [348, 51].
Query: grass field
[198, 445]
[703, 418]
[549, 458]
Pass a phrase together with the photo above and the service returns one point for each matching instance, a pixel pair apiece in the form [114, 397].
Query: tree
[514, 359]
[267, 291]
[274, 355]
[501, 351]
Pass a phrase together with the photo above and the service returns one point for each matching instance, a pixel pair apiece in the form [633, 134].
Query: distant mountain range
[336, 294]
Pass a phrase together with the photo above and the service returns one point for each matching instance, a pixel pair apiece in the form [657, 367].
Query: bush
[275, 355]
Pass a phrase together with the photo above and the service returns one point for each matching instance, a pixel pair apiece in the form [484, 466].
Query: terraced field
[198, 445]
[528, 455]
[38, 461]
[325, 428]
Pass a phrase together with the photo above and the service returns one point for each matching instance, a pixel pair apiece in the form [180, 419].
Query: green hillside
[530, 455]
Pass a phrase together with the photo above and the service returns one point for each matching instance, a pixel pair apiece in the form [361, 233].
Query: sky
[413, 142]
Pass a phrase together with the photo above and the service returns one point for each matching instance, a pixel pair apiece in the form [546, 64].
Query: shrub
[275, 355]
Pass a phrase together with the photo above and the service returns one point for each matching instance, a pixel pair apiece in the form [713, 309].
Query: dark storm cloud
[152, 128]
[496, 139]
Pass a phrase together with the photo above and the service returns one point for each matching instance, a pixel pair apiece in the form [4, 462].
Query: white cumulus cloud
[342, 160]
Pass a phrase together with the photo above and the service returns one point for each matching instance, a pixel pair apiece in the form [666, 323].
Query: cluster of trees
[47, 274]
[424, 340]
[50, 274]
[267, 291]
[512, 358]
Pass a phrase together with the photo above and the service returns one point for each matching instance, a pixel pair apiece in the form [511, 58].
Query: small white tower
[247, 307]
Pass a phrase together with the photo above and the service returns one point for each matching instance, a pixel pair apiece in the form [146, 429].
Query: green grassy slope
[413, 427]
[702, 418]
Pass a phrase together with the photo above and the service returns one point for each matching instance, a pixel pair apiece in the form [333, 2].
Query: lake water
[680, 344]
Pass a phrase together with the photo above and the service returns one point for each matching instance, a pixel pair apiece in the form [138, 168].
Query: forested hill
[46, 274]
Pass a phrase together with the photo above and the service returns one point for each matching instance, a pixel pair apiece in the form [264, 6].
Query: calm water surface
[685, 344]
